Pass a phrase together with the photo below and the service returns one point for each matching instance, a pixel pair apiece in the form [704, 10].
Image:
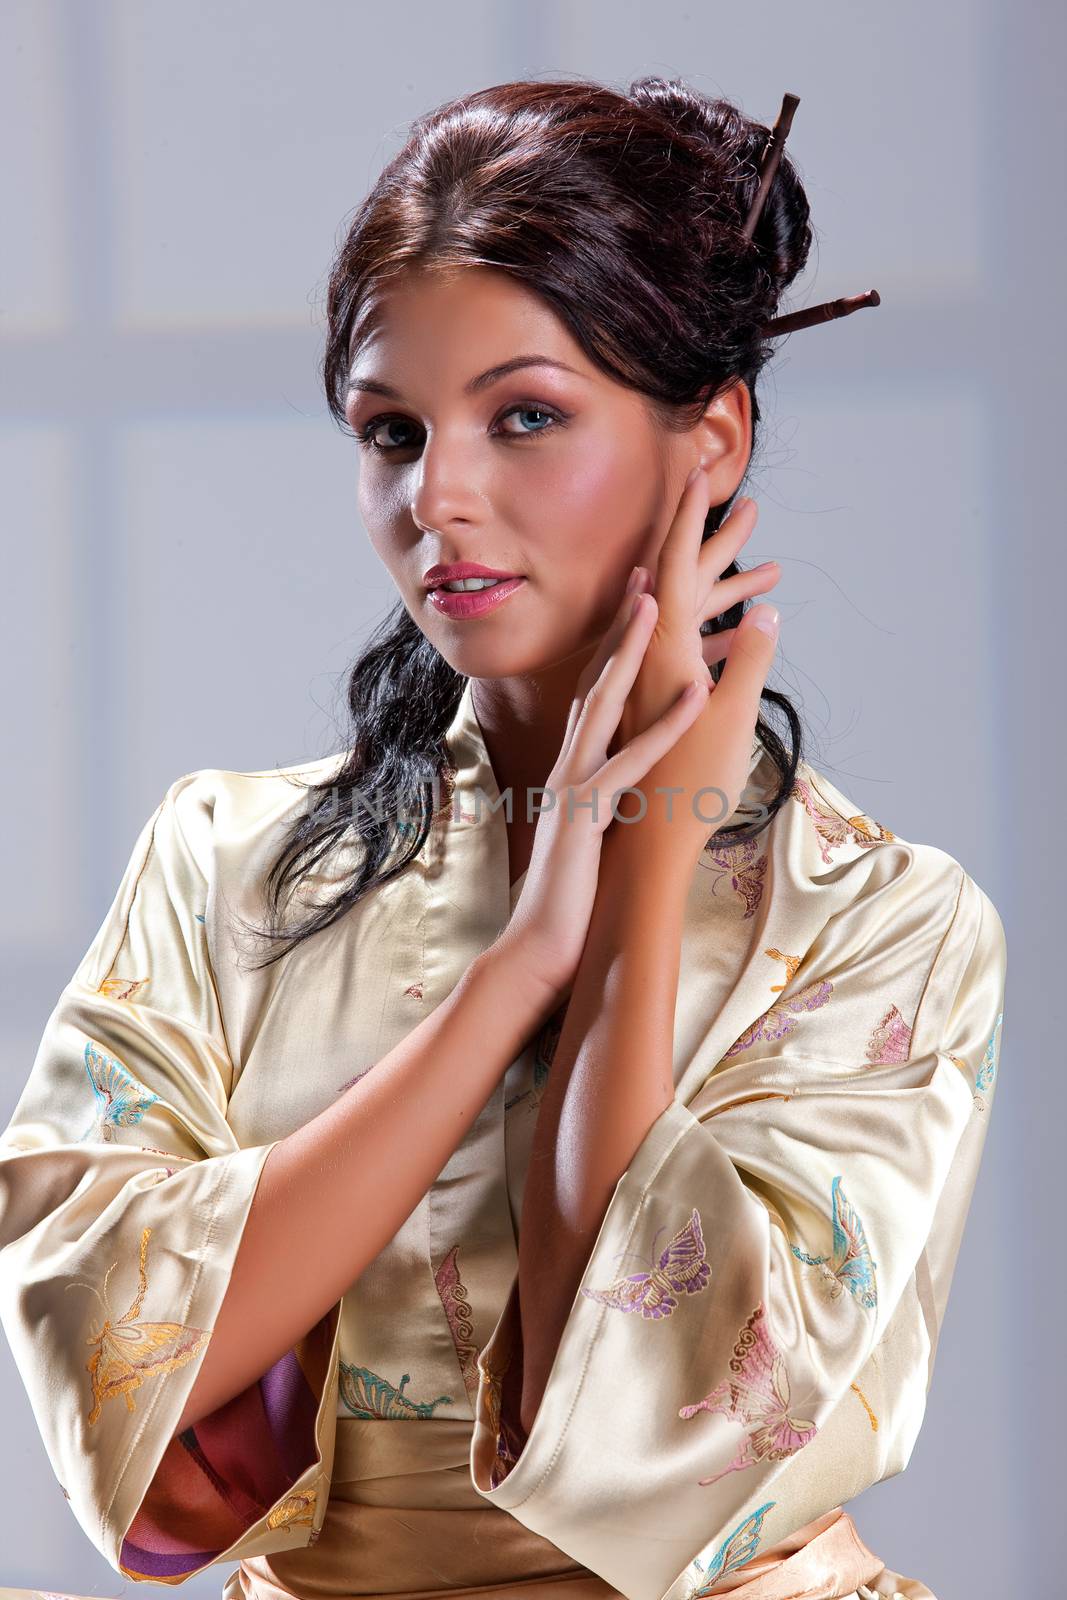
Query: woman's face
[557, 476]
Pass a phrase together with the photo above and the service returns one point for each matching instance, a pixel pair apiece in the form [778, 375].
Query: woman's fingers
[605, 698]
[748, 661]
[720, 550]
[598, 706]
[715, 646]
[607, 646]
[624, 769]
[726, 592]
[679, 553]
[735, 530]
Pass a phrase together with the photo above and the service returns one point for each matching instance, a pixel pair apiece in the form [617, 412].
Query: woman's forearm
[611, 1078]
[334, 1192]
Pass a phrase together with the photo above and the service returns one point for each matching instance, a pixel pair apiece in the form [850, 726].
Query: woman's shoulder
[217, 808]
[827, 836]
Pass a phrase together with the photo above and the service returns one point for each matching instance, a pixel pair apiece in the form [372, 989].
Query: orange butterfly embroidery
[866, 1406]
[130, 1351]
[296, 1508]
[121, 988]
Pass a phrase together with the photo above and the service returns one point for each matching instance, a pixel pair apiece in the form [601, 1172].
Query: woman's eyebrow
[475, 385]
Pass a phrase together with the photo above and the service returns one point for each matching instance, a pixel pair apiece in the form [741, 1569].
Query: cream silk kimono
[752, 1340]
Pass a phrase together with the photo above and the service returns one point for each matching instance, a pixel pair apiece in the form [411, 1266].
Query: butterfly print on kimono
[791, 965]
[780, 1018]
[849, 1264]
[129, 1351]
[737, 1548]
[682, 1268]
[833, 830]
[865, 1403]
[296, 1510]
[988, 1070]
[121, 1101]
[758, 1396]
[121, 988]
[890, 1041]
[454, 1298]
[374, 1398]
[745, 865]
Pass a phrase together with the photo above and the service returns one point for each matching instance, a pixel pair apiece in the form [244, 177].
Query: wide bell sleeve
[123, 1198]
[753, 1337]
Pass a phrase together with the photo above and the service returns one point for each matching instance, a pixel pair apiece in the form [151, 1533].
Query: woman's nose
[449, 487]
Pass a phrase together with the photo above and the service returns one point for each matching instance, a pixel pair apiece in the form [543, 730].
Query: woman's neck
[524, 722]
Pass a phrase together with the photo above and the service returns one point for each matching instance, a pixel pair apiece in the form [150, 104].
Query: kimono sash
[404, 1522]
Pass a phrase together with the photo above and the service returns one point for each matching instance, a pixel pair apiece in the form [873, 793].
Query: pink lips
[474, 602]
[462, 569]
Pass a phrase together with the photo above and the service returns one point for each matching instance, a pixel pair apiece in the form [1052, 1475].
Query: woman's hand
[551, 917]
[709, 764]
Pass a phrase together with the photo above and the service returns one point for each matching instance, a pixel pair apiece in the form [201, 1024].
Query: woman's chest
[413, 1323]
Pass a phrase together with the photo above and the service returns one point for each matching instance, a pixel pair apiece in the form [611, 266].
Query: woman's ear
[722, 441]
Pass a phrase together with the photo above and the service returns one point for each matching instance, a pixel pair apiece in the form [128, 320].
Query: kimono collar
[473, 774]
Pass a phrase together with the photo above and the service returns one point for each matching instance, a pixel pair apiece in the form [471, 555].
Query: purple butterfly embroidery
[681, 1269]
[779, 1019]
[746, 866]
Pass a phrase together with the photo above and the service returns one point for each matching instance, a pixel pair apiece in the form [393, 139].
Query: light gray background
[187, 577]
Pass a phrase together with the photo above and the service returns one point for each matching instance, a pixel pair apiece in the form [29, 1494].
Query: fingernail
[636, 605]
[692, 478]
[765, 617]
[631, 582]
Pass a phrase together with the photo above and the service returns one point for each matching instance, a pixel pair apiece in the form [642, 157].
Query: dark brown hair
[625, 213]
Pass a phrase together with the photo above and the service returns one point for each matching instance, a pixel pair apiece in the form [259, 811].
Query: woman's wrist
[514, 965]
[661, 856]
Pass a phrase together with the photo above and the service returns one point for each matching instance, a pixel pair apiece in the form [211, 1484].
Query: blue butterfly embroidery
[370, 1396]
[120, 1100]
[737, 1548]
[987, 1071]
[849, 1265]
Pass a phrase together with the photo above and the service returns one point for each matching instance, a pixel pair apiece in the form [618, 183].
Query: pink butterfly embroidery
[758, 1396]
[834, 830]
[681, 1269]
[891, 1039]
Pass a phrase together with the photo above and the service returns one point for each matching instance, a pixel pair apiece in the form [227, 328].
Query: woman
[716, 1045]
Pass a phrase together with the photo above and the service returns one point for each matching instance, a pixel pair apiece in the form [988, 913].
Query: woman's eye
[532, 411]
[367, 435]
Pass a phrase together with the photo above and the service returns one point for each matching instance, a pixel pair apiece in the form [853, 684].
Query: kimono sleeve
[753, 1337]
[123, 1198]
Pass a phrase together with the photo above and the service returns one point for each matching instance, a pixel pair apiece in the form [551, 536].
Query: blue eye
[365, 435]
